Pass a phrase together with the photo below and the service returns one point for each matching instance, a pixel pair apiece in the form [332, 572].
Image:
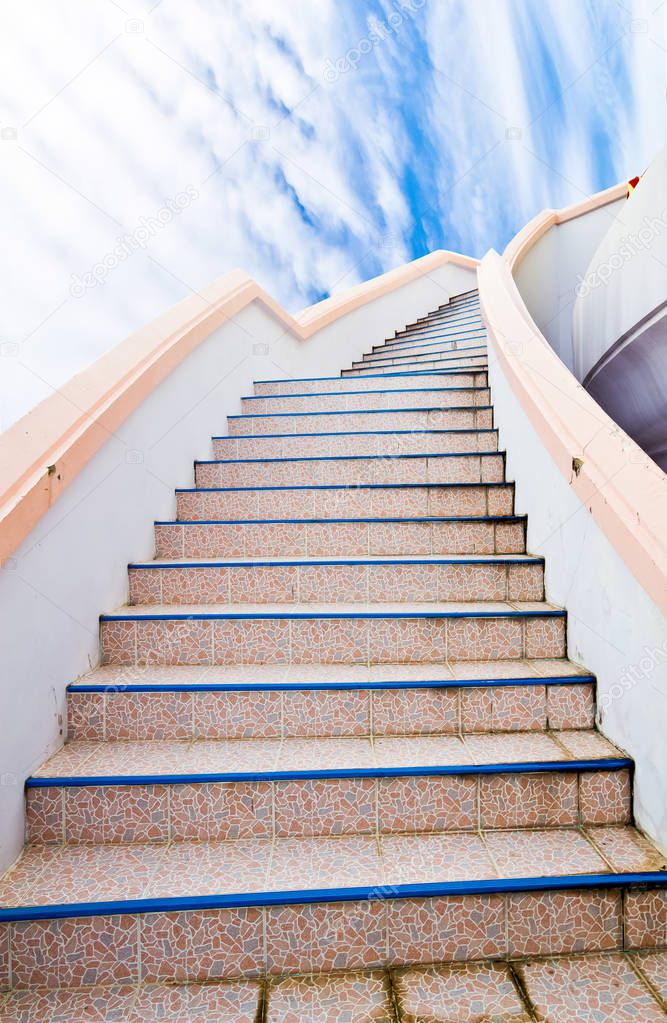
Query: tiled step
[464, 335]
[366, 442]
[435, 341]
[169, 790]
[346, 502]
[267, 701]
[348, 580]
[443, 346]
[453, 467]
[500, 991]
[433, 417]
[420, 364]
[443, 360]
[340, 537]
[332, 633]
[335, 910]
[370, 398]
[449, 357]
[415, 366]
[447, 377]
[444, 317]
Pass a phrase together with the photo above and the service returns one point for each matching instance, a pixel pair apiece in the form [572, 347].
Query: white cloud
[353, 175]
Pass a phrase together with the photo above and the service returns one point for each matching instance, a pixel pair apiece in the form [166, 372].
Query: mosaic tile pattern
[330, 998]
[446, 930]
[459, 994]
[315, 640]
[551, 923]
[600, 988]
[653, 966]
[463, 468]
[344, 502]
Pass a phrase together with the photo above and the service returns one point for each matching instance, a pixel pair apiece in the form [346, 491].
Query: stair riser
[431, 419]
[209, 945]
[347, 502]
[355, 444]
[465, 313]
[218, 811]
[445, 345]
[330, 641]
[462, 334]
[449, 352]
[416, 365]
[376, 399]
[389, 382]
[347, 583]
[327, 713]
[343, 539]
[469, 468]
[420, 363]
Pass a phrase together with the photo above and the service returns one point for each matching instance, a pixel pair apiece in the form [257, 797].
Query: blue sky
[313, 144]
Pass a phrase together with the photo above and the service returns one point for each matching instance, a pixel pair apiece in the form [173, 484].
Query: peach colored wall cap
[625, 491]
[521, 244]
[43, 452]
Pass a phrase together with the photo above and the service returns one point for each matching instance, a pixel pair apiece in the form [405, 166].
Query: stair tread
[529, 670]
[84, 758]
[57, 875]
[404, 609]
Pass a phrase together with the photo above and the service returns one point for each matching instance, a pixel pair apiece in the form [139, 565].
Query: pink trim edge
[625, 491]
[43, 452]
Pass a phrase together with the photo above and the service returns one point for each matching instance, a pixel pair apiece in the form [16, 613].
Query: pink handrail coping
[623, 489]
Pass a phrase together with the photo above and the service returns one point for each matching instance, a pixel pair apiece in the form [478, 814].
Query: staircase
[335, 765]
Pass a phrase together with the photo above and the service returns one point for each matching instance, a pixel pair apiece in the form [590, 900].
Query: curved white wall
[74, 563]
[548, 276]
[620, 316]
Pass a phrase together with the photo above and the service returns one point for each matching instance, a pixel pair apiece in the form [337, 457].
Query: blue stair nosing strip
[231, 777]
[262, 687]
[379, 390]
[205, 616]
[337, 486]
[366, 412]
[503, 519]
[291, 897]
[354, 433]
[385, 559]
[349, 458]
